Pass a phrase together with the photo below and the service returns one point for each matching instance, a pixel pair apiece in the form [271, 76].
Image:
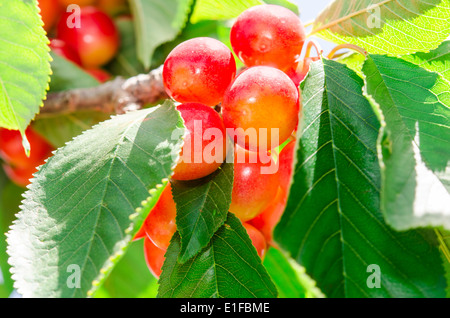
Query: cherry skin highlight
[154, 257]
[253, 187]
[199, 70]
[260, 99]
[160, 224]
[96, 41]
[204, 148]
[258, 240]
[268, 35]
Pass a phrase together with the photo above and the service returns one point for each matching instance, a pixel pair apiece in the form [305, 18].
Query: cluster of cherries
[200, 75]
[85, 35]
[90, 40]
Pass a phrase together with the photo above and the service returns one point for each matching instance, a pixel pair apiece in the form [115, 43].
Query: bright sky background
[309, 9]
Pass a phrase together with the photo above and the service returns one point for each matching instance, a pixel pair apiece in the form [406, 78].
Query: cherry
[50, 10]
[268, 35]
[18, 167]
[140, 234]
[63, 49]
[260, 101]
[269, 218]
[80, 3]
[20, 175]
[258, 240]
[154, 257]
[12, 152]
[253, 187]
[96, 40]
[204, 148]
[99, 74]
[160, 223]
[199, 70]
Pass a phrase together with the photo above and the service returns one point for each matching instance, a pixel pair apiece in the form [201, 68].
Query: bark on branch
[117, 96]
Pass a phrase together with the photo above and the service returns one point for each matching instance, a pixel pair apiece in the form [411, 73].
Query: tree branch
[117, 96]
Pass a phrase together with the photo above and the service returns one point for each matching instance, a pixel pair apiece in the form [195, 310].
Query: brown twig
[117, 96]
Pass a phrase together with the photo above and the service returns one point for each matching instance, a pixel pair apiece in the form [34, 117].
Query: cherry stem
[352, 47]
[313, 43]
[309, 23]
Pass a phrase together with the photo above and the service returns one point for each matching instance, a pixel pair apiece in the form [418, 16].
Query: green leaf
[67, 75]
[332, 224]
[130, 278]
[60, 129]
[291, 5]
[220, 10]
[415, 149]
[25, 63]
[228, 267]
[354, 61]
[225, 10]
[157, 22]
[202, 207]
[10, 197]
[125, 62]
[393, 27]
[437, 60]
[444, 246]
[290, 278]
[82, 208]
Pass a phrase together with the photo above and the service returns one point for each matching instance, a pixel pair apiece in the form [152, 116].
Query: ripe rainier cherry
[261, 107]
[253, 186]
[159, 226]
[268, 35]
[204, 148]
[199, 70]
[96, 40]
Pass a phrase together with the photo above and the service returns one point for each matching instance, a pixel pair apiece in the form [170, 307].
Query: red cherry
[269, 218]
[80, 3]
[154, 257]
[261, 107]
[20, 175]
[199, 70]
[160, 223]
[62, 49]
[140, 234]
[253, 186]
[50, 10]
[99, 74]
[258, 240]
[96, 40]
[12, 152]
[268, 35]
[204, 148]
